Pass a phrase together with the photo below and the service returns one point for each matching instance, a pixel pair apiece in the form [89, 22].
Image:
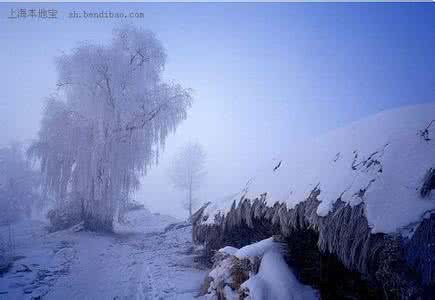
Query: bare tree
[188, 171]
[105, 126]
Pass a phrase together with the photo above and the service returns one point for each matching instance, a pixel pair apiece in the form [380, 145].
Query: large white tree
[104, 127]
[187, 172]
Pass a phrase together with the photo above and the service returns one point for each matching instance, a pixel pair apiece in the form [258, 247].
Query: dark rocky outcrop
[337, 254]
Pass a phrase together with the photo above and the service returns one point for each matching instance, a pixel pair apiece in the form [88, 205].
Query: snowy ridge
[382, 160]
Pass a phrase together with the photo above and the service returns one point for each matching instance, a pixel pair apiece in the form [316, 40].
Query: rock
[24, 268]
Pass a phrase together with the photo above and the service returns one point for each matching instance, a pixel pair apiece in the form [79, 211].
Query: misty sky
[265, 76]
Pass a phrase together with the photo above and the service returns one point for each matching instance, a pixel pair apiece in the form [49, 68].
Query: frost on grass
[387, 168]
[365, 194]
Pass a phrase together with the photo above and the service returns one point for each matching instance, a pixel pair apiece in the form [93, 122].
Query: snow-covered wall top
[382, 160]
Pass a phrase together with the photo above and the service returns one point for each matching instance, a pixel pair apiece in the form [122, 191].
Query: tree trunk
[97, 216]
[98, 213]
[93, 221]
[190, 200]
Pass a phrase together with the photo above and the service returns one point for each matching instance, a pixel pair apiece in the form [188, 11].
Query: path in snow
[138, 262]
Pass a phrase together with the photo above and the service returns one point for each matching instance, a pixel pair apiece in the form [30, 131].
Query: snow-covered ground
[139, 261]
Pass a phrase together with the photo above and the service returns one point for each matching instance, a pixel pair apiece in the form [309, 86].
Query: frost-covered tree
[106, 124]
[19, 184]
[187, 172]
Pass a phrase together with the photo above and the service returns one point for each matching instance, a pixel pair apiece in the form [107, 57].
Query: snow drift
[363, 191]
[382, 161]
[256, 271]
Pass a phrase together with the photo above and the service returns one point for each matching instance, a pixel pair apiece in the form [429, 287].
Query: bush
[133, 205]
[6, 258]
[65, 216]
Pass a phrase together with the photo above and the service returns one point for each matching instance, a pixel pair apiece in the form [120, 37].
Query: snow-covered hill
[383, 161]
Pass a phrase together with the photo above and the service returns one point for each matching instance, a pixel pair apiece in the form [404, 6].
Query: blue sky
[265, 76]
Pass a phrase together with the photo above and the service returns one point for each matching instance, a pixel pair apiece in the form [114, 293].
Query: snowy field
[139, 261]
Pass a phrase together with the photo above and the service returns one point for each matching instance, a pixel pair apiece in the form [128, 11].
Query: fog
[264, 78]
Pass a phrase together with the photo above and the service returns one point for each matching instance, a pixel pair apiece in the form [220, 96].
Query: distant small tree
[19, 184]
[188, 171]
